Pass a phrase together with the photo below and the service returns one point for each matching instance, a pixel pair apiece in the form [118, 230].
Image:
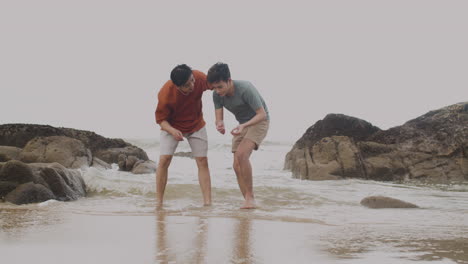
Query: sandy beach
[41, 235]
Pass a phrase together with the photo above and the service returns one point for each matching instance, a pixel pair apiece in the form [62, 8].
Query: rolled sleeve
[163, 111]
[200, 78]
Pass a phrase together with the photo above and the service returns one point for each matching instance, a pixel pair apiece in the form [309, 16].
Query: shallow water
[297, 221]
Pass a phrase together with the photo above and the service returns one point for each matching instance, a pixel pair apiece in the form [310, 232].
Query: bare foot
[249, 205]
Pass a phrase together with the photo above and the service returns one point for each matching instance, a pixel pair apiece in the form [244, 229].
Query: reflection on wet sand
[429, 250]
[162, 251]
[356, 245]
[168, 252]
[242, 246]
[227, 239]
[242, 239]
[415, 250]
[200, 241]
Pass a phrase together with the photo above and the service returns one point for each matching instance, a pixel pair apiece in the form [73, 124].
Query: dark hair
[218, 72]
[180, 74]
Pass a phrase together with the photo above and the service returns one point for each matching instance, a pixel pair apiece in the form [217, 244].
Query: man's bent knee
[241, 156]
[165, 161]
[202, 162]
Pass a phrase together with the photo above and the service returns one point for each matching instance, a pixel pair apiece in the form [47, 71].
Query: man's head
[219, 77]
[183, 78]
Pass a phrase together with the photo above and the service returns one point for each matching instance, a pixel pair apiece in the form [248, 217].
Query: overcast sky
[98, 65]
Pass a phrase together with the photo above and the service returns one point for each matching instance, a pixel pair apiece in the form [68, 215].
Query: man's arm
[259, 117]
[200, 78]
[163, 113]
[220, 120]
[171, 130]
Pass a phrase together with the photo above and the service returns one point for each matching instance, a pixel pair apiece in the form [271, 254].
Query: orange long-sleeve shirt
[183, 112]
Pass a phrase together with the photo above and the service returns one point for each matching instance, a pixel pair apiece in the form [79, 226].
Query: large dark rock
[433, 147]
[29, 193]
[66, 184]
[337, 125]
[63, 184]
[17, 171]
[64, 187]
[18, 135]
[69, 152]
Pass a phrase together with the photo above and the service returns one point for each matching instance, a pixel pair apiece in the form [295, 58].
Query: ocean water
[296, 220]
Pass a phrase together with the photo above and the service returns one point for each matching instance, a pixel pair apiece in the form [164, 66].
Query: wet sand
[36, 236]
[50, 236]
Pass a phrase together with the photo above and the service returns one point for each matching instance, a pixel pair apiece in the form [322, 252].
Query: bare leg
[237, 170]
[243, 155]
[204, 179]
[161, 177]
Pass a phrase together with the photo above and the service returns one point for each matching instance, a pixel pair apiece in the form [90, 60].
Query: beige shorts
[198, 142]
[256, 133]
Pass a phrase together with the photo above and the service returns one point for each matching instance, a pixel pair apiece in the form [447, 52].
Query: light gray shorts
[197, 140]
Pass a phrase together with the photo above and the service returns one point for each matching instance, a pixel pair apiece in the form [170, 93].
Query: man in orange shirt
[179, 113]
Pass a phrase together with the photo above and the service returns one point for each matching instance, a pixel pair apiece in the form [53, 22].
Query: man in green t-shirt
[243, 100]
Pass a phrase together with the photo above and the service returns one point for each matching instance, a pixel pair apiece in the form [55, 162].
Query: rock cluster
[22, 183]
[105, 149]
[37, 162]
[433, 147]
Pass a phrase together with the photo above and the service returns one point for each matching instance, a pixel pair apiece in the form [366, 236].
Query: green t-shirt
[243, 103]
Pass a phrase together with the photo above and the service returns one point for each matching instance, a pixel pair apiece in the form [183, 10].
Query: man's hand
[220, 127]
[237, 130]
[177, 134]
